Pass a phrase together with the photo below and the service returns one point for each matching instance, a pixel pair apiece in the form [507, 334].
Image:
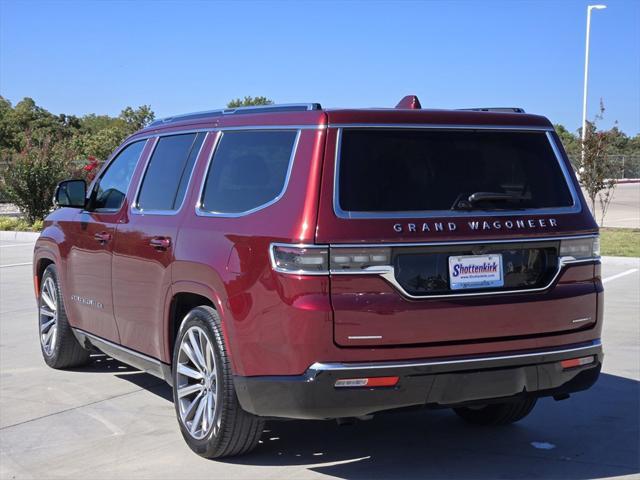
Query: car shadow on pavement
[593, 434]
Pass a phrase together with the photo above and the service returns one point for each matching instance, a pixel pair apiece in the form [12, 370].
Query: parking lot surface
[108, 420]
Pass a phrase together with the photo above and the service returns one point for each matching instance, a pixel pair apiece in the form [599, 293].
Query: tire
[497, 413]
[59, 346]
[223, 429]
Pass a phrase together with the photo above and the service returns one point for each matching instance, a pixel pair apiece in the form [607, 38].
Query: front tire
[211, 420]
[60, 348]
[497, 413]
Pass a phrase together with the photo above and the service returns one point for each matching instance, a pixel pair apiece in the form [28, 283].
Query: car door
[88, 296]
[145, 238]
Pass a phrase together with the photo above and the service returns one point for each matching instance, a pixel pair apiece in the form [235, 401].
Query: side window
[112, 186]
[249, 169]
[165, 181]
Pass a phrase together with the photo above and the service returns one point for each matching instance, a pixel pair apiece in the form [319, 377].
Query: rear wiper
[480, 197]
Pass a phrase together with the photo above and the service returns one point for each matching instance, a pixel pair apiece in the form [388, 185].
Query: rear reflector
[367, 382]
[577, 362]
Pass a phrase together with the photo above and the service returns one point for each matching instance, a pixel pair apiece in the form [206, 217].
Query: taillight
[359, 259]
[300, 259]
[580, 248]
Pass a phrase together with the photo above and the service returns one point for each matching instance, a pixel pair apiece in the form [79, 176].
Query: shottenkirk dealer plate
[475, 271]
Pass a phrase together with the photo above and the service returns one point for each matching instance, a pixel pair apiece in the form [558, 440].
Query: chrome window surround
[201, 212]
[340, 213]
[135, 209]
[470, 362]
[388, 273]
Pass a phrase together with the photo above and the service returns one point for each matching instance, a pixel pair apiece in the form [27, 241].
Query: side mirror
[71, 193]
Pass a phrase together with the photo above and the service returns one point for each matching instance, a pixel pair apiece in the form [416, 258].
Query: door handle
[160, 243]
[102, 237]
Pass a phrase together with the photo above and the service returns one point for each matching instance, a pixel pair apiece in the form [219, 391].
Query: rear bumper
[438, 382]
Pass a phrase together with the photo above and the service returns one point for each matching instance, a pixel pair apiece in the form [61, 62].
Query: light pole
[586, 73]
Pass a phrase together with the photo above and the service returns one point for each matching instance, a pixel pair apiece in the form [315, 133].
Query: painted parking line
[621, 274]
[16, 265]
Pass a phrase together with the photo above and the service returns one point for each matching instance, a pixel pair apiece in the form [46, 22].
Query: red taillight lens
[577, 362]
[367, 382]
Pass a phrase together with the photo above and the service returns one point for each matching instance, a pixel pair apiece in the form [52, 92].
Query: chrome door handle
[160, 243]
[102, 237]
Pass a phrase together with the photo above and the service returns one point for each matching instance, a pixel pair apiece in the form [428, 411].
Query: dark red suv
[293, 262]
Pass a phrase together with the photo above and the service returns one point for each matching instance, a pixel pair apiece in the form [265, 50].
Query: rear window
[426, 170]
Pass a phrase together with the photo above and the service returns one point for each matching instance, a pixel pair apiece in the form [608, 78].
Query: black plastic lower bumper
[438, 382]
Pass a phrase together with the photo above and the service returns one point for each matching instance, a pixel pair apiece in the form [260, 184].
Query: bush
[19, 225]
[31, 179]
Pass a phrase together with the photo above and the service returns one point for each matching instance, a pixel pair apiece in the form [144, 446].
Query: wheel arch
[183, 297]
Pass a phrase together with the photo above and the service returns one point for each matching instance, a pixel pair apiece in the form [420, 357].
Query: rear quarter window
[249, 170]
[438, 170]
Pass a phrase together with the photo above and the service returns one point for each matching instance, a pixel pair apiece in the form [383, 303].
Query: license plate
[475, 271]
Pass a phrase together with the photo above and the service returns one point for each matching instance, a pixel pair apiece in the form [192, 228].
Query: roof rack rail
[284, 107]
[495, 109]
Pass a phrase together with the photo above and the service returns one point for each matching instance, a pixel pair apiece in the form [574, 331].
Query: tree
[249, 102]
[34, 173]
[596, 169]
[570, 141]
[138, 118]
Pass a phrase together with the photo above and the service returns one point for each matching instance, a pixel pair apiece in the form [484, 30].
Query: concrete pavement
[624, 211]
[108, 420]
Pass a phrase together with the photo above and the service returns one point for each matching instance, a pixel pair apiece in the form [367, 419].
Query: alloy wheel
[197, 383]
[48, 316]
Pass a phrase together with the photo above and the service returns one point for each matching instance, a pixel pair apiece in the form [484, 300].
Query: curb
[19, 236]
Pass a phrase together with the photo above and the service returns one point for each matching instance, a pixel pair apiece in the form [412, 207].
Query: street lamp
[586, 73]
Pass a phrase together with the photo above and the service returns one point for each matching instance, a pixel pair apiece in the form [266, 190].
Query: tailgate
[413, 302]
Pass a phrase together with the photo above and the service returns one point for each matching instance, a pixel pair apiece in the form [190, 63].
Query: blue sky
[83, 57]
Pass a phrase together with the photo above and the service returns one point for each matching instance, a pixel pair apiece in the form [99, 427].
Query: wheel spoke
[47, 336]
[189, 389]
[197, 350]
[188, 410]
[209, 358]
[45, 326]
[205, 413]
[211, 408]
[50, 303]
[53, 336]
[189, 353]
[189, 372]
[197, 417]
[47, 312]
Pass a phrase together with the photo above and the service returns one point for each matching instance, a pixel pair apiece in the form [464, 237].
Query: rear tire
[60, 348]
[211, 420]
[497, 413]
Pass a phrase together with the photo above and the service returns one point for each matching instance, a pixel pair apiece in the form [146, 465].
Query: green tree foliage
[38, 149]
[34, 173]
[249, 102]
[570, 141]
[597, 170]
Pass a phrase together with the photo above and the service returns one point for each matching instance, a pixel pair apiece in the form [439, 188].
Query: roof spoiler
[410, 102]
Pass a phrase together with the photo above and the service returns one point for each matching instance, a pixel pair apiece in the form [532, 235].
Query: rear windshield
[421, 170]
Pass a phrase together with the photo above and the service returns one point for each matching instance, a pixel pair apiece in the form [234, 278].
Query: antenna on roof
[410, 102]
